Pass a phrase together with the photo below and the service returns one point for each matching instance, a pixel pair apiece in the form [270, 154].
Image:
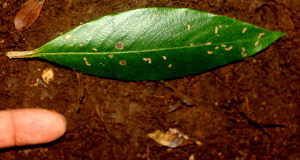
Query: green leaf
[154, 44]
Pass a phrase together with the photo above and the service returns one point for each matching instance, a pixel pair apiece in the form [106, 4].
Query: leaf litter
[28, 13]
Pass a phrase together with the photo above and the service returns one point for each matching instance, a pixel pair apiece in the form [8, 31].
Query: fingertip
[37, 126]
[31, 127]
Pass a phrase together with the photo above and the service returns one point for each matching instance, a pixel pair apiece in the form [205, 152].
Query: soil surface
[246, 110]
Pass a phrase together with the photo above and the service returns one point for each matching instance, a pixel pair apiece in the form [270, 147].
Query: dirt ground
[246, 110]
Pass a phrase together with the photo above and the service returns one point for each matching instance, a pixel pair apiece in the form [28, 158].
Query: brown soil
[245, 110]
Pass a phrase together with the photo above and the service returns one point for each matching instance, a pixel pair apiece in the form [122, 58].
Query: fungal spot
[244, 30]
[243, 52]
[170, 65]
[216, 30]
[209, 52]
[119, 45]
[208, 43]
[96, 30]
[260, 34]
[192, 44]
[80, 44]
[68, 36]
[189, 27]
[164, 57]
[256, 43]
[122, 62]
[229, 48]
[110, 56]
[94, 49]
[147, 59]
[86, 62]
[223, 45]
[217, 47]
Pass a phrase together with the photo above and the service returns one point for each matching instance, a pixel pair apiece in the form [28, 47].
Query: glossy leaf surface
[155, 44]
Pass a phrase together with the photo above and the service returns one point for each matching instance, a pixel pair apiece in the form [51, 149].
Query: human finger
[30, 126]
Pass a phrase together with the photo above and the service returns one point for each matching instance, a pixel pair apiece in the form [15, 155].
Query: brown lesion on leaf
[119, 45]
[122, 62]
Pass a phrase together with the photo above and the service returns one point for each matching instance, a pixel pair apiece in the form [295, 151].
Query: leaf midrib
[154, 50]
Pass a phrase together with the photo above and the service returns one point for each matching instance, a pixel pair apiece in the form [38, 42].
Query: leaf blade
[156, 43]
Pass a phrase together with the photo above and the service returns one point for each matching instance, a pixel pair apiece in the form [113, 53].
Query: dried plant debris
[172, 138]
[28, 13]
[48, 75]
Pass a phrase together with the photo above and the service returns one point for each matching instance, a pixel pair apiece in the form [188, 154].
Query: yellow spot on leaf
[94, 49]
[164, 57]
[96, 30]
[74, 39]
[208, 43]
[111, 56]
[119, 45]
[243, 52]
[147, 59]
[68, 36]
[256, 43]
[229, 48]
[209, 52]
[154, 15]
[216, 30]
[86, 62]
[192, 44]
[223, 45]
[217, 47]
[244, 30]
[189, 27]
[80, 44]
[260, 34]
[71, 45]
[170, 65]
[122, 62]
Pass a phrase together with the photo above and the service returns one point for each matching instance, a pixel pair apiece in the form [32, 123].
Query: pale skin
[21, 127]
